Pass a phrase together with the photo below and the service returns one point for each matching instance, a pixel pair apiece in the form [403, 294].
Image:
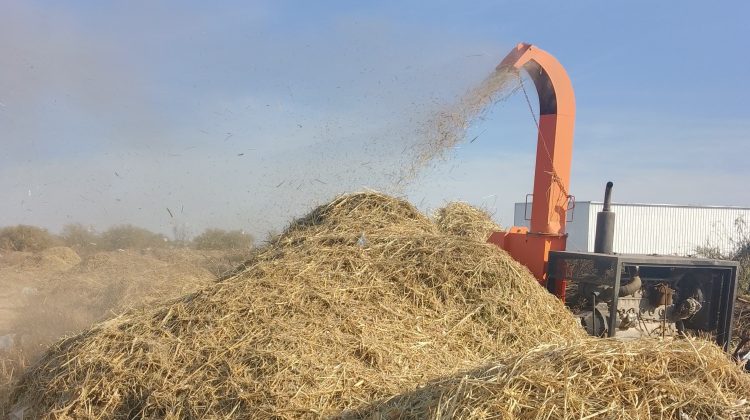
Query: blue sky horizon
[244, 115]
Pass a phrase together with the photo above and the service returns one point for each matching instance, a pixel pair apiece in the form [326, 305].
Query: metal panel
[654, 228]
[578, 229]
[518, 215]
[670, 230]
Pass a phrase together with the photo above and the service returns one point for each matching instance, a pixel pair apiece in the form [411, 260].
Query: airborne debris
[448, 127]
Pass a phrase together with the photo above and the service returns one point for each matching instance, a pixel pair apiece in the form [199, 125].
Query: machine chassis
[556, 281]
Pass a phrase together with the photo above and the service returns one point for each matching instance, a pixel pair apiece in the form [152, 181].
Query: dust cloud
[92, 137]
[113, 127]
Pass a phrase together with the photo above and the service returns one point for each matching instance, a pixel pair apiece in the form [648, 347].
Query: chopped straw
[362, 300]
[462, 219]
[591, 378]
[448, 127]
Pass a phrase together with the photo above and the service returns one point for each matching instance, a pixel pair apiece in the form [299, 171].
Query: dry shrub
[599, 378]
[26, 238]
[742, 256]
[741, 253]
[462, 219]
[130, 237]
[319, 322]
[79, 237]
[219, 239]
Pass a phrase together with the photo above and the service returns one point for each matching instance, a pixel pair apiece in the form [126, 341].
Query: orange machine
[614, 295]
[551, 199]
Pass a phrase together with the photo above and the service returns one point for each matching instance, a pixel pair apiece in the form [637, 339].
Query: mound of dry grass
[360, 300]
[369, 212]
[463, 219]
[54, 259]
[12, 361]
[57, 258]
[591, 378]
[45, 297]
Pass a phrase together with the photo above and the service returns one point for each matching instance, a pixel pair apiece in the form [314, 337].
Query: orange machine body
[551, 199]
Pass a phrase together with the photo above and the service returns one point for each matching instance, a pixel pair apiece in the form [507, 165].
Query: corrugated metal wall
[654, 228]
[670, 230]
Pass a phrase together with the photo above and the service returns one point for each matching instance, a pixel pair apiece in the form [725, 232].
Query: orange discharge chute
[551, 198]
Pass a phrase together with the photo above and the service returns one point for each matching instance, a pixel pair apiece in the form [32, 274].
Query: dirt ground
[47, 295]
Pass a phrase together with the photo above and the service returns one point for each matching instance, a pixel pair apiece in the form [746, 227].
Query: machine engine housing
[632, 296]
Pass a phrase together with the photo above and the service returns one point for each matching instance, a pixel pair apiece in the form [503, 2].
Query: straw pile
[360, 300]
[44, 298]
[462, 219]
[591, 378]
[58, 258]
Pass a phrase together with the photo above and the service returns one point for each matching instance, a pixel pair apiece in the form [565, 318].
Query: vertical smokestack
[605, 224]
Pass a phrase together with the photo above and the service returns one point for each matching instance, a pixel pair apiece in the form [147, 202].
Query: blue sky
[246, 114]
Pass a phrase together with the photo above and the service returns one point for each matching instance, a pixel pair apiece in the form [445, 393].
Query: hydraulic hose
[630, 288]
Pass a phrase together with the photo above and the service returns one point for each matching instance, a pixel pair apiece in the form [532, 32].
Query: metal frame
[727, 295]
[526, 208]
[570, 209]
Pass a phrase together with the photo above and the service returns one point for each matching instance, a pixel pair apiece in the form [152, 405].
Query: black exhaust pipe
[605, 224]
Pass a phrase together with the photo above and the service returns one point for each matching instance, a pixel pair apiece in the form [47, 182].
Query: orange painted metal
[528, 248]
[553, 159]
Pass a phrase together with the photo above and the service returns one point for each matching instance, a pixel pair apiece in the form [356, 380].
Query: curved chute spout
[555, 139]
[554, 153]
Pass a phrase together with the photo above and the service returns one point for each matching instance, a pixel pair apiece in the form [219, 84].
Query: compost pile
[362, 300]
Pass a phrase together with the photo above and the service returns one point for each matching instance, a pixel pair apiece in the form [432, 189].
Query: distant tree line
[80, 237]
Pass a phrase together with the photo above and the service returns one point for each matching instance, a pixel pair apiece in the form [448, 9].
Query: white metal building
[652, 228]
